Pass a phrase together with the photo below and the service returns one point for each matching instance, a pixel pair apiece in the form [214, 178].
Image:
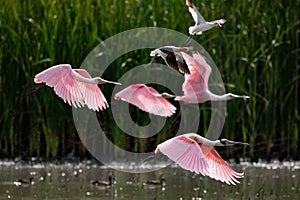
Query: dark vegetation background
[256, 51]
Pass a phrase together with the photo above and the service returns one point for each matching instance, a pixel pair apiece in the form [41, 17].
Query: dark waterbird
[155, 183]
[102, 183]
[24, 182]
[159, 182]
[173, 57]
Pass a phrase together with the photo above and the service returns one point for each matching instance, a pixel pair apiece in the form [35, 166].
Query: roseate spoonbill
[24, 182]
[100, 183]
[75, 86]
[195, 86]
[172, 57]
[147, 99]
[201, 25]
[196, 154]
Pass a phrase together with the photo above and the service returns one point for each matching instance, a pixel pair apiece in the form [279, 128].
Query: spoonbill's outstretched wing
[219, 169]
[197, 81]
[202, 67]
[61, 78]
[189, 153]
[147, 99]
[91, 93]
[186, 153]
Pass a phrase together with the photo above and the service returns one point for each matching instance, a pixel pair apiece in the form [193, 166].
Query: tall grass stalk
[256, 51]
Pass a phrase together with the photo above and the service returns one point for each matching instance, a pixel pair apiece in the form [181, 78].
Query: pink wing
[197, 81]
[186, 153]
[203, 67]
[146, 98]
[61, 78]
[92, 95]
[219, 169]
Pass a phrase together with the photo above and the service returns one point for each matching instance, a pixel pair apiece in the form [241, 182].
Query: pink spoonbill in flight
[74, 86]
[173, 57]
[147, 99]
[197, 154]
[195, 86]
[201, 25]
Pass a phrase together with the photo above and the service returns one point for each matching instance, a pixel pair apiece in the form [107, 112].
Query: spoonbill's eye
[224, 141]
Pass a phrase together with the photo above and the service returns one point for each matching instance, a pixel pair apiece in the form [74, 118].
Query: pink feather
[75, 93]
[61, 78]
[190, 154]
[186, 153]
[92, 95]
[197, 81]
[147, 99]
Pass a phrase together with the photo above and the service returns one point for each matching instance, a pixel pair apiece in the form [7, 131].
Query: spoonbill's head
[225, 142]
[99, 80]
[156, 151]
[167, 95]
[155, 52]
[220, 22]
[234, 96]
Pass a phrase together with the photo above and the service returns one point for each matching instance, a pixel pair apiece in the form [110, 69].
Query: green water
[72, 181]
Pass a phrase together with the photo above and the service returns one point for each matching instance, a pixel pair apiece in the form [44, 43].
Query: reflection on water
[68, 181]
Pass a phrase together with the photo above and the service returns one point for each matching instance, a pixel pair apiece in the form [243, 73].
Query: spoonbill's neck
[224, 97]
[80, 78]
[202, 140]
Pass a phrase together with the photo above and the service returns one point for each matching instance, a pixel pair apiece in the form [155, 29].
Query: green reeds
[256, 51]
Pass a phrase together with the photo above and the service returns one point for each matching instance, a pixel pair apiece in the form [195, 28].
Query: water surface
[276, 180]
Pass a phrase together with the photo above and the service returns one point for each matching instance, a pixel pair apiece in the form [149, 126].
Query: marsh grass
[256, 51]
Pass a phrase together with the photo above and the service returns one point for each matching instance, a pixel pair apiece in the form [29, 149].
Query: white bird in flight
[201, 25]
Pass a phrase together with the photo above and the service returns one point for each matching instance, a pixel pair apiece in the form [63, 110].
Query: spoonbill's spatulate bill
[147, 99]
[196, 154]
[74, 86]
[172, 57]
[195, 86]
[201, 25]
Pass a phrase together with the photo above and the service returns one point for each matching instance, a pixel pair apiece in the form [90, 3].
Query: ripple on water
[267, 180]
